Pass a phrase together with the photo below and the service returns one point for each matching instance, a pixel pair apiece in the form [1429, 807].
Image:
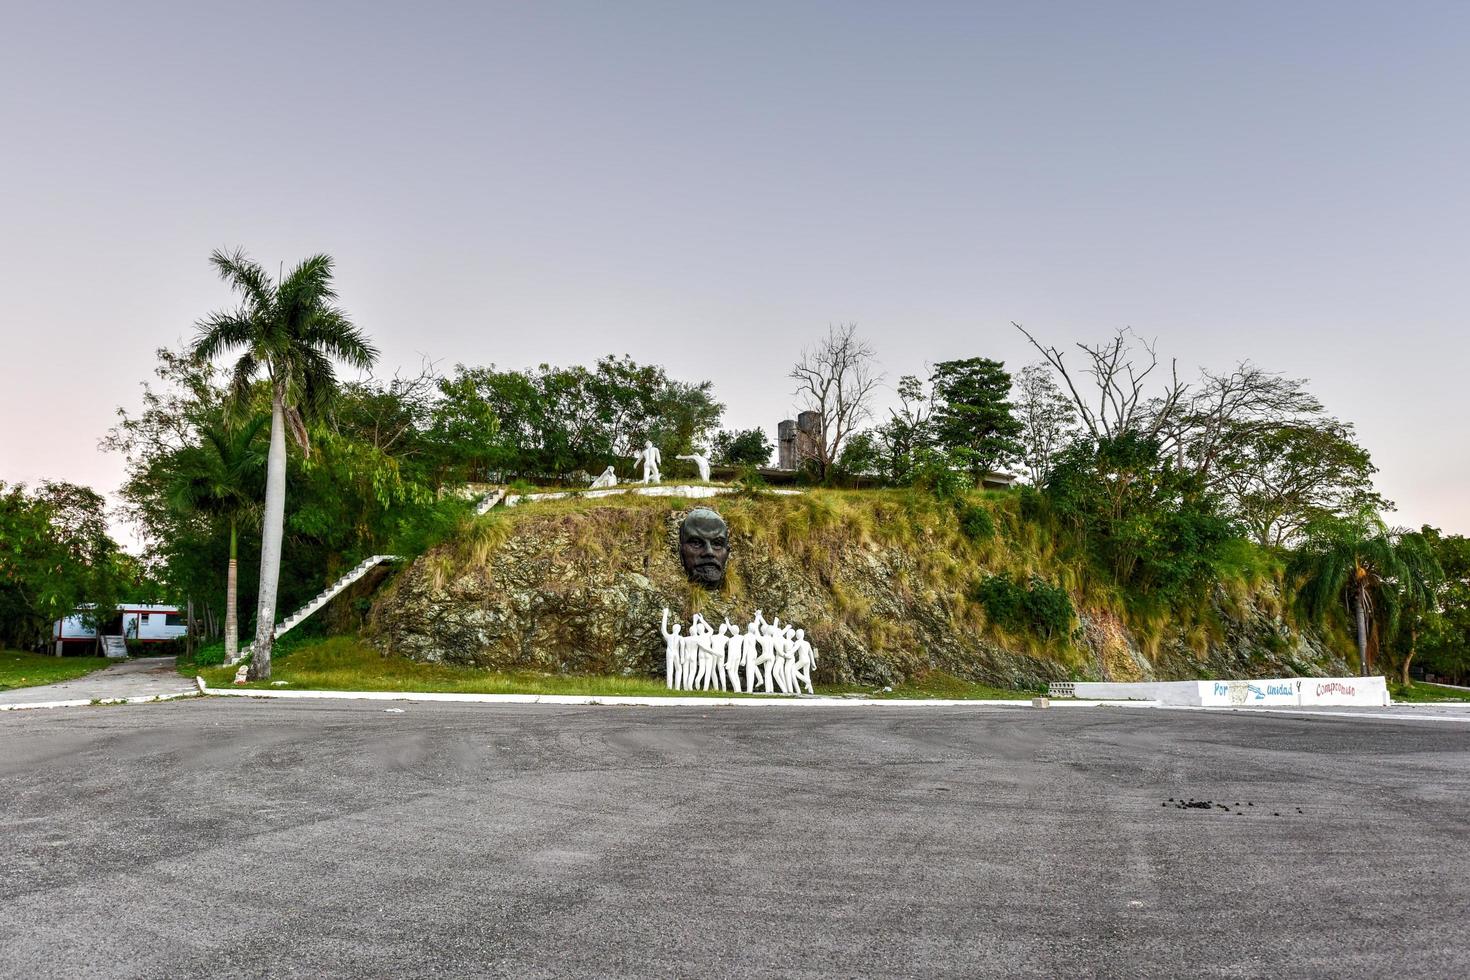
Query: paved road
[303, 839]
[143, 677]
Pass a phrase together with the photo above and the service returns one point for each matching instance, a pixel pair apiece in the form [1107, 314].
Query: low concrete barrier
[1261, 693]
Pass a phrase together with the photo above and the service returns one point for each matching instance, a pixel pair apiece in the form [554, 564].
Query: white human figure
[750, 652]
[705, 654]
[766, 658]
[650, 458]
[607, 478]
[688, 661]
[673, 649]
[806, 656]
[786, 660]
[699, 652]
[720, 646]
[734, 654]
[701, 462]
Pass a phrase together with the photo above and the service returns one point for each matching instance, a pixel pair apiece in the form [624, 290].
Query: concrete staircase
[114, 646]
[322, 598]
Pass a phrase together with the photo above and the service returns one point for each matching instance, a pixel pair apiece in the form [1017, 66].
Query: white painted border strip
[87, 703]
[1376, 715]
[628, 700]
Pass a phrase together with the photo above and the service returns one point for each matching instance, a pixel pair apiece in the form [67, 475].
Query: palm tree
[1417, 608]
[291, 331]
[219, 478]
[1374, 570]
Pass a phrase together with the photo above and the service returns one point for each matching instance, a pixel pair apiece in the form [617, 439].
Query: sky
[710, 185]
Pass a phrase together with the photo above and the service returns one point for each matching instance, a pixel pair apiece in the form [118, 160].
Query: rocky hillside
[881, 580]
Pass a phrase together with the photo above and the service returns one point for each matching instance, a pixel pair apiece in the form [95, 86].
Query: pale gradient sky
[709, 185]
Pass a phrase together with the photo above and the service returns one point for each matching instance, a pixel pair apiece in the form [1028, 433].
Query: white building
[131, 621]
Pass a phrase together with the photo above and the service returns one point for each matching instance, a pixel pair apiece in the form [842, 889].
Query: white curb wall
[1267, 692]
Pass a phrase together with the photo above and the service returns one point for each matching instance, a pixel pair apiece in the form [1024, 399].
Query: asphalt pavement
[250, 838]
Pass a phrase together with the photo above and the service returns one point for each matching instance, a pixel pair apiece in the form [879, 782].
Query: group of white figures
[649, 459]
[777, 658]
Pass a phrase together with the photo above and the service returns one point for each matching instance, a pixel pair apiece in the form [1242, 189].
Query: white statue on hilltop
[650, 458]
[702, 462]
[607, 478]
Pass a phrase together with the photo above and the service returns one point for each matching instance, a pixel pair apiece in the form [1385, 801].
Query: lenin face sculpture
[704, 546]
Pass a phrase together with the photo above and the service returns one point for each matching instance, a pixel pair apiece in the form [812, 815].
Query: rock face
[580, 588]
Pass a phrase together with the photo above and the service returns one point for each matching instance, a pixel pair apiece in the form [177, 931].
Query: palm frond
[244, 275]
[242, 379]
[309, 285]
[223, 331]
[333, 333]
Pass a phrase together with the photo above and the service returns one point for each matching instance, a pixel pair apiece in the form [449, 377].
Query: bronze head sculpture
[704, 546]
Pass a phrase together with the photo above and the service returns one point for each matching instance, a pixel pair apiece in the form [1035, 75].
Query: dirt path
[131, 679]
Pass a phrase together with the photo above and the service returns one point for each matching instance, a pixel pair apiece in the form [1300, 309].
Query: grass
[343, 663]
[19, 669]
[938, 684]
[1422, 693]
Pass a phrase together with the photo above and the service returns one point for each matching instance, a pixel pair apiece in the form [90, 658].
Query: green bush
[421, 528]
[748, 476]
[156, 648]
[1049, 608]
[976, 522]
[210, 654]
[1004, 599]
[1032, 503]
[932, 472]
[1019, 606]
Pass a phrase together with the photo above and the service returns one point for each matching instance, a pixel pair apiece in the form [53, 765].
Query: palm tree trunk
[1409, 658]
[1360, 611]
[232, 624]
[272, 526]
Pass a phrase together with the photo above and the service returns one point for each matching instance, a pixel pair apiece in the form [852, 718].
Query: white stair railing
[322, 598]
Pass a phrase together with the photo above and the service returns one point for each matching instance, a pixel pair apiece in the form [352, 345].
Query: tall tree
[741, 447]
[1368, 567]
[1048, 420]
[836, 378]
[1417, 597]
[907, 431]
[1278, 479]
[973, 420]
[219, 479]
[1116, 396]
[55, 555]
[292, 332]
[1447, 647]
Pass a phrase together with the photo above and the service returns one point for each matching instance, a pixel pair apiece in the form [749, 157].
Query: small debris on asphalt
[1191, 803]
[393, 711]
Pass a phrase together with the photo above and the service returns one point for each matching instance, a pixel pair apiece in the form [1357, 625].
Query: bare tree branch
[836, 379]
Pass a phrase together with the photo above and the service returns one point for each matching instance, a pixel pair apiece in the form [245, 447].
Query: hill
[889, 584]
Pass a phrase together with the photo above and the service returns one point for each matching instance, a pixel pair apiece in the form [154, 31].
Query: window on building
[174, 619]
